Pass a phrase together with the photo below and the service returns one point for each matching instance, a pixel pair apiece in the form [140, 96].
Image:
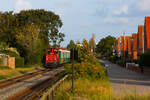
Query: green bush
[144, 59]
[87, 69]
[113, 59]
[122, 62]
[19, 62]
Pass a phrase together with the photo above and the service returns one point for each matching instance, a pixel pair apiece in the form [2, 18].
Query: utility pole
[73, 70]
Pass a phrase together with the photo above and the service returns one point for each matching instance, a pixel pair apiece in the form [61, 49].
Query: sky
[82, 18]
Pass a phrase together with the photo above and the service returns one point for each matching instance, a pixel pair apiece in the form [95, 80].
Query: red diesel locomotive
[56, 56]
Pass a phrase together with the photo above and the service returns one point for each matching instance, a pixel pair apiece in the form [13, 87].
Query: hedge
[145, 59]
[19, 62]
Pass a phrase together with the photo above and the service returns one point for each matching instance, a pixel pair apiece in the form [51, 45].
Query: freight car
[54, 57]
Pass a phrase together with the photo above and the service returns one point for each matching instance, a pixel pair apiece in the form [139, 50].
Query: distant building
[118, 47]
[140, 39]
[122, 46]
[129, 44]
[134, 49]
[147, 33]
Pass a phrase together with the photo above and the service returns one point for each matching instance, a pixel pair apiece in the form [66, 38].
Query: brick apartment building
[134, 46]
[118, 47]
[131, 47]
[122, 46]
[140, 39]
[147, 33]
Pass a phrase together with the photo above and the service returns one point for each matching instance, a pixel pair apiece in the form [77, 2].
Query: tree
[92, 43]
[27, 36]
[71, 45]
[7, 27]
[105, 45]
[86, 46]
[48, 22]
[31, 30]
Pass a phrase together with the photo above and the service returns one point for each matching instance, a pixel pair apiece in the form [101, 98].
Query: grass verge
[6, 72]
[85, 89]
[88, 89]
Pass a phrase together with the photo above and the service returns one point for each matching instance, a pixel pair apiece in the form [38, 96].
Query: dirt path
[124, 81]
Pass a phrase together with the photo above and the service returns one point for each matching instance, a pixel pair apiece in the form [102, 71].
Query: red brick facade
[134, 50]
[132, 46]
[118, 47]
[129, 47]
[140, 39]
[147, 33]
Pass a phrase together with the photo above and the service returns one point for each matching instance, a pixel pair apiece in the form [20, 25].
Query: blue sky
[81, 18]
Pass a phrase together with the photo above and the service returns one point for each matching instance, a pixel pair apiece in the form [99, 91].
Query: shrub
[113, 59]
[19, 62]
[144, 59]
[87, 69]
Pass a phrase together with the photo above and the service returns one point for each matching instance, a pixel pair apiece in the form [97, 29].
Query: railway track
[29, 85]
[35, 92]
[9, 82]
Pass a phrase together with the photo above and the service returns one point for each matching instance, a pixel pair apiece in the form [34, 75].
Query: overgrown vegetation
[90, 77]
[89, 68]
[85, 89]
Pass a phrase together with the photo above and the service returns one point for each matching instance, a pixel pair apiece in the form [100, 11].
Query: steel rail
[18, 79]
[34, 92]
[9, 82]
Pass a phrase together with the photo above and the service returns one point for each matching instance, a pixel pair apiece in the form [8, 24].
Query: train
[54, 57]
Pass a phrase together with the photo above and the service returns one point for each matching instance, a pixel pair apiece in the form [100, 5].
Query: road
[125, 81]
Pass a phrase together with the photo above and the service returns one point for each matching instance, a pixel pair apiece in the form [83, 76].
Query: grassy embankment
[89, 86]
[6, 72]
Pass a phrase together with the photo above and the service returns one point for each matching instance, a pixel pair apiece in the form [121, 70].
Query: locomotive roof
[64, 50]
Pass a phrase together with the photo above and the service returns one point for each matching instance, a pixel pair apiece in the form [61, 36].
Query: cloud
[22, 5]
[116, 20]
[143, 5]
[123, 10]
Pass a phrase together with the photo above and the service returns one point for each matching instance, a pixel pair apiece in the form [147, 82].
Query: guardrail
[49, 94]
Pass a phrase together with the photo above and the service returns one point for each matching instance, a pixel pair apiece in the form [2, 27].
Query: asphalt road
[125, 81]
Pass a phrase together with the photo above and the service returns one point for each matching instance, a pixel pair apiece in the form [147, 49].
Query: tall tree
[71, 45]
[7, 26]
[92, 42]
[27, 36]
[48, 22]
[31, 29]
[105, 45]
[86, 46]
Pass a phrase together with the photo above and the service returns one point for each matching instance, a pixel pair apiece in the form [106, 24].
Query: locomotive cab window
[55, 52]
[48, 52]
